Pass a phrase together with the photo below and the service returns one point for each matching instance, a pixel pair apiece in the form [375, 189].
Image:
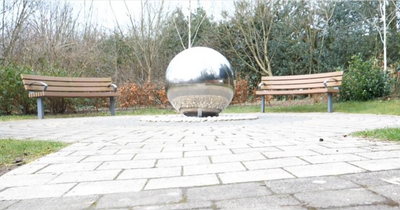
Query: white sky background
[107, 18]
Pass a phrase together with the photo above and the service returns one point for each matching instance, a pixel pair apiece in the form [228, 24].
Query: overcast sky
[107, 18]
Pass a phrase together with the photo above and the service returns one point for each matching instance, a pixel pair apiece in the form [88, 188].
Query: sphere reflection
[199, 82]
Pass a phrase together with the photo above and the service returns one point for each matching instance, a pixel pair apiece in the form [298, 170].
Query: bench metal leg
[330, 103]
[112, 106]
[262, 104]
[40, 108]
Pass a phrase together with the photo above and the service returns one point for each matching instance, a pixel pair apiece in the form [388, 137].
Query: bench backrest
[333, 79]
[66, 84]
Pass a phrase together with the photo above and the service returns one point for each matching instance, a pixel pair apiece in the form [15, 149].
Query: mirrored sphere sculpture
[200, 82]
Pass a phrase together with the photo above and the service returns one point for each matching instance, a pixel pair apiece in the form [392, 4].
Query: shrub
[363, 81]
[13, 96]
[241, 94]
[147, 95]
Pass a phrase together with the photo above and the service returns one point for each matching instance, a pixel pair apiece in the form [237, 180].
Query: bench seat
[321, 83]
[41, 87]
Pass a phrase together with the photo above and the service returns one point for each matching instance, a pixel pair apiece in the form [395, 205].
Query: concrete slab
[323, 169]
[70, 203]
[225, 192]
[140, 198]
[182, 181]
[30, 192]
[309, 184]
[339, 198]
[107, 187]
[283, 202]
[274, 162]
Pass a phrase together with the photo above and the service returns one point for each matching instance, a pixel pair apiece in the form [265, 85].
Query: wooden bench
[41, 87]
[301, 85]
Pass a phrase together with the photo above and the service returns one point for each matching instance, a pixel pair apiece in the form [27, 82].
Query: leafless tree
[143, 35]
[248, 33]
[14, 18]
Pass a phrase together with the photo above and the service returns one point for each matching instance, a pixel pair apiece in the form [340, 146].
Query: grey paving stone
[183, 149]
[257, 149]
[26, 180]
[85, 176]
[237, 157]
[94, 152]
[342, 149]
[333, 158]
[207, 153]
[390, 191]
[102, 158]
[380, 154]
[107, 187]
[26, 169]
[150, 173]
[378, 165]
[29, 192]
[138, 150]
[224, 192]
[283, 202]
[183, 161]
[5, 204]
[69, 167]
[274, 163]
[132, 164]
[370, 207]
[182, 181]
[309, 184]
[258, 175]
[162, 155]
[55, 160]
[323, 169]
[297, 153]
[213, 168]
[70, 203]
[373, 178]
[133, 199]
[180, 206]
[339, 198]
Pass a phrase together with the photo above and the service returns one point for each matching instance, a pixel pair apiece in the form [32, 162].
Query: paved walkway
[278, 161]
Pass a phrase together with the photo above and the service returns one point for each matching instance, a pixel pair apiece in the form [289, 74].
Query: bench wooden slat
[64, 79]
[71, 95]
[67, 84]
[306, 76]
[297, 92]
[300, 81]
[301, 86]
[69, 89]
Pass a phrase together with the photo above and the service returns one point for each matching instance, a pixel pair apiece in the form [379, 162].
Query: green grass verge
[391, 134]
[22, 151]
[390, 107]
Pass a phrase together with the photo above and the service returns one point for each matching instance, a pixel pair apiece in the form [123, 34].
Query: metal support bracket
[114, 87]
[42, 83]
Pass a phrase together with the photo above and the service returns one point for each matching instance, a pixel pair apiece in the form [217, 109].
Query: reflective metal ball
[200, 82]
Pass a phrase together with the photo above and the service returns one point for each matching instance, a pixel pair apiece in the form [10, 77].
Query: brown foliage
[147, 95]
[241, 91]
[134, 95]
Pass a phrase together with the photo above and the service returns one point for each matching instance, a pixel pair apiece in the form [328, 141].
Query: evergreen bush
[364, 80]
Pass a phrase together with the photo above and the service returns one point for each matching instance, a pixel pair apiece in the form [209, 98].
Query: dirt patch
[5, 169]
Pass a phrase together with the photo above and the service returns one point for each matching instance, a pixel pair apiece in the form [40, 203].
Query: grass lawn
[18, 152]
[390, 134]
